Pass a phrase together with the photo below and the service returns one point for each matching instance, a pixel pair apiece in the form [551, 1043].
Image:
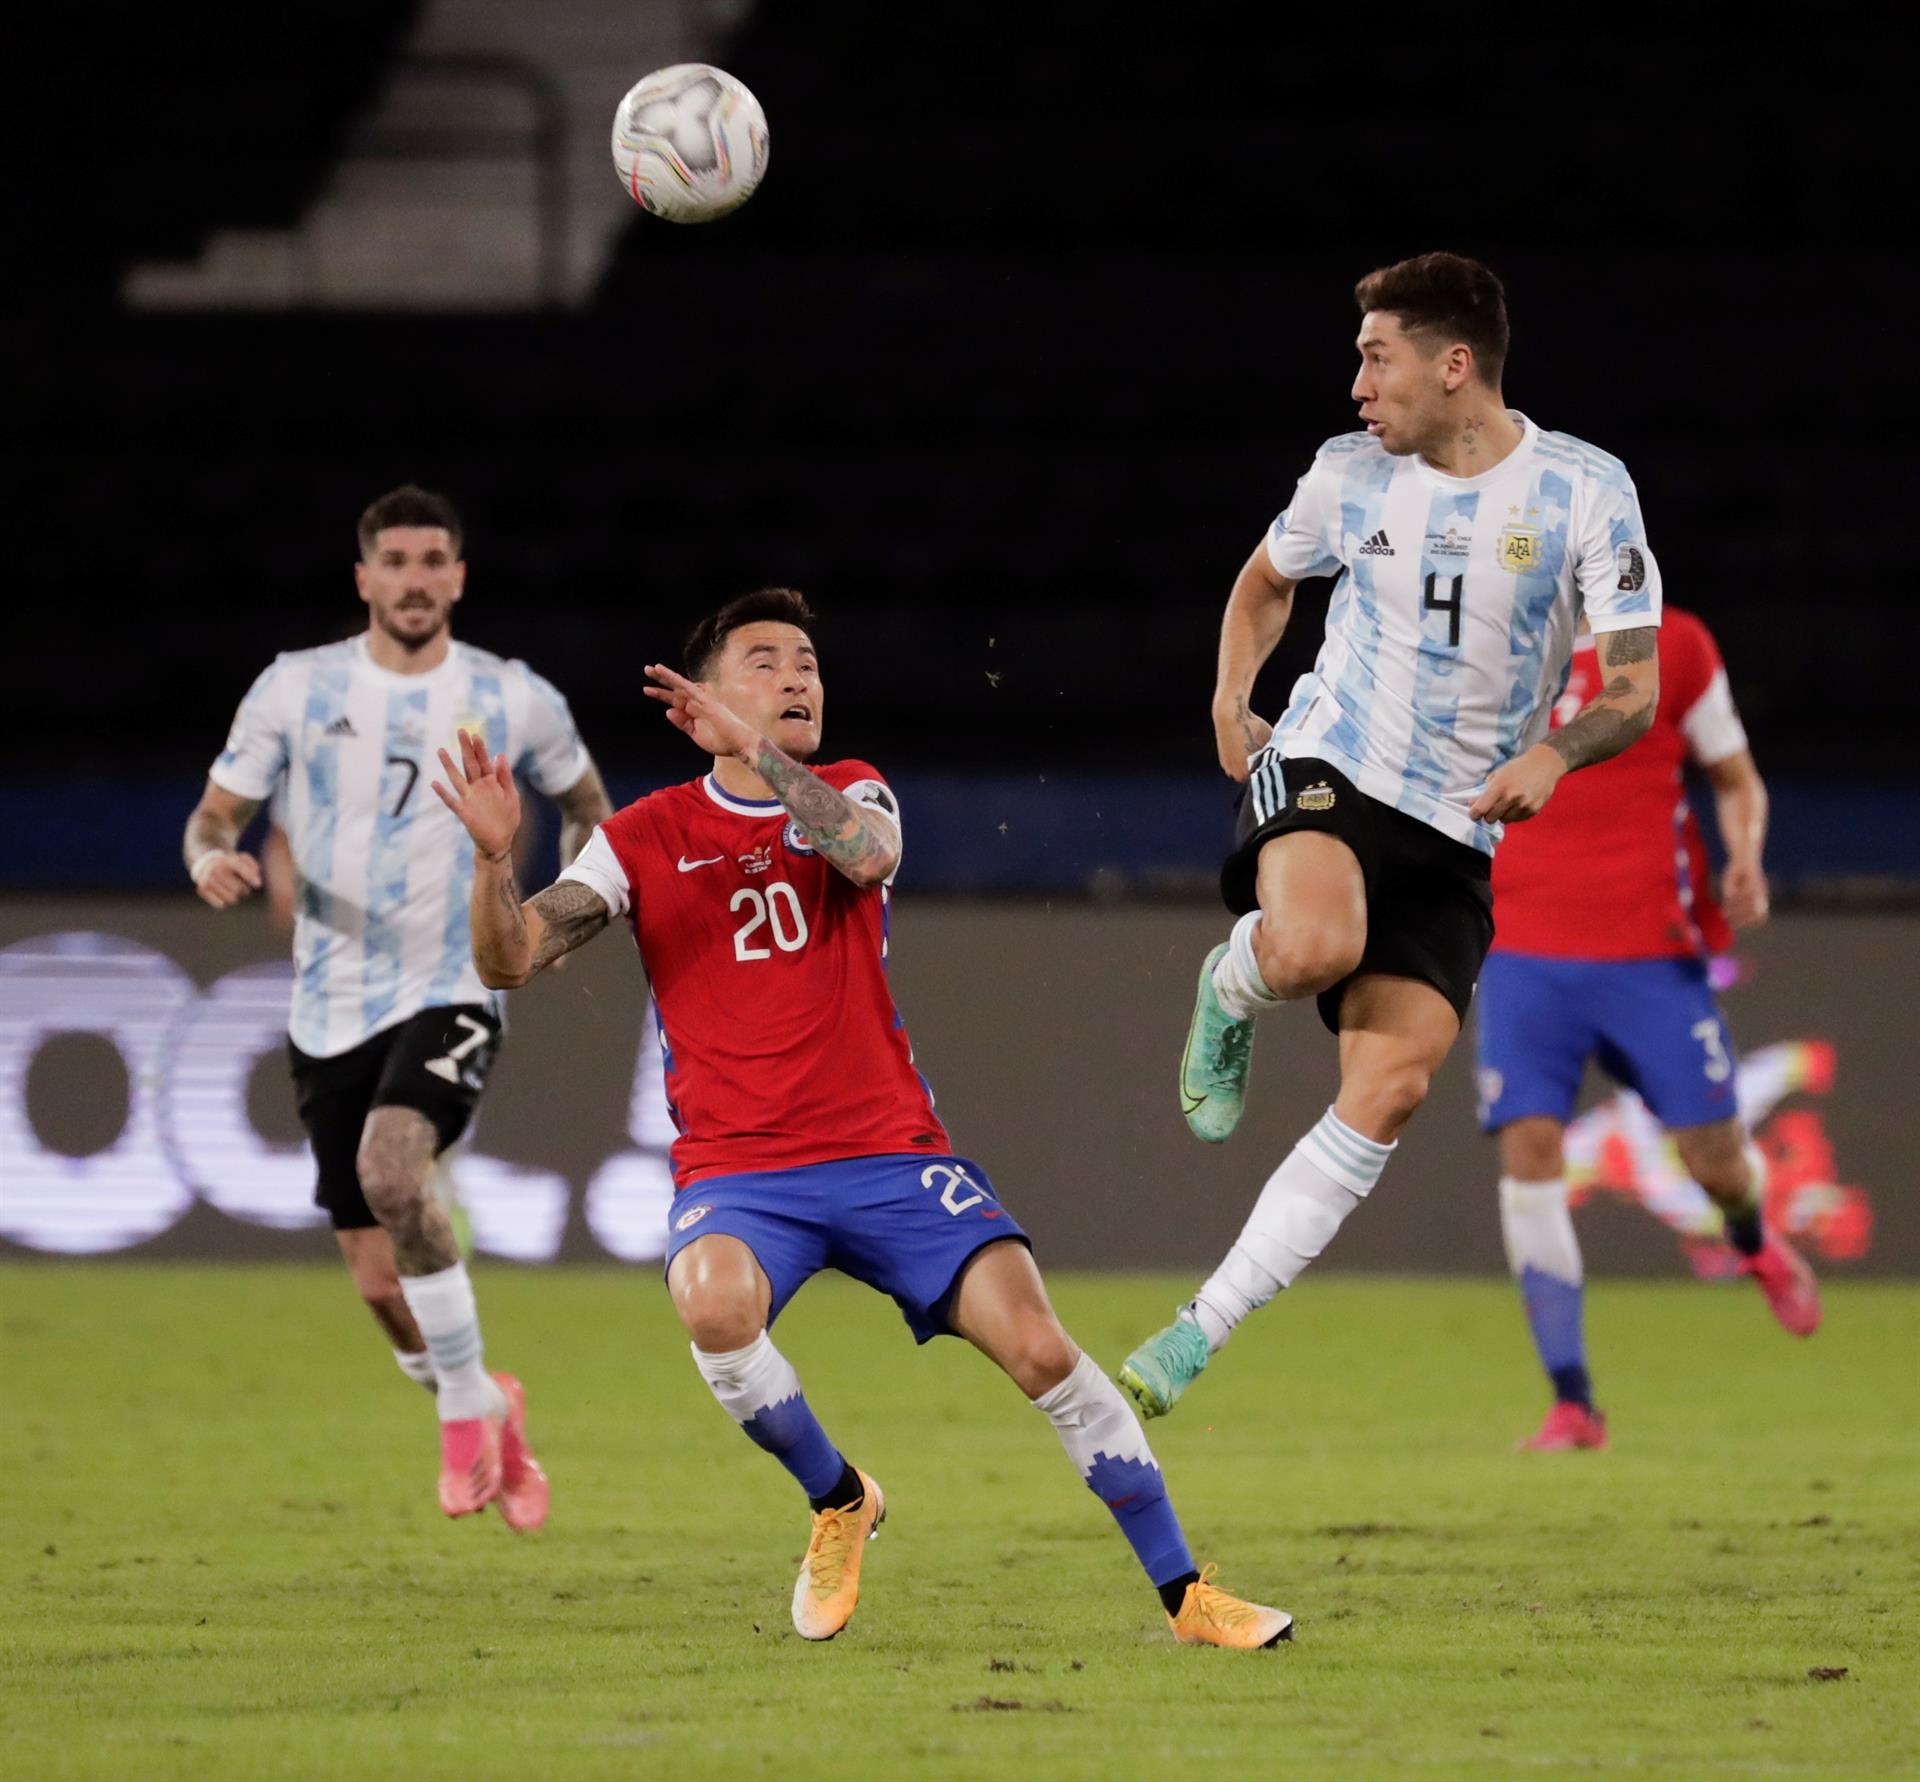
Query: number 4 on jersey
[1454, 586]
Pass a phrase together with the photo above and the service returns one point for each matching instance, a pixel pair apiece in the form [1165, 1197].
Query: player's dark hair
[780, 606]
[1446, 296]
[408, 506]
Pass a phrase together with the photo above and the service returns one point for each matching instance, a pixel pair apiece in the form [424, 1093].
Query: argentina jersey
[383, 870]
[1451, 626]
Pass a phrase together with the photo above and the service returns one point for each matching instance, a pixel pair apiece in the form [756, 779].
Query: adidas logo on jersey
[341, 726]
[1377, 545]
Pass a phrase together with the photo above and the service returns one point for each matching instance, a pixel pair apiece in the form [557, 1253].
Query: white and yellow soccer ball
[690, 143]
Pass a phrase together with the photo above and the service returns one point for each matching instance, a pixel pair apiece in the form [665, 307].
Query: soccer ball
[690, 143]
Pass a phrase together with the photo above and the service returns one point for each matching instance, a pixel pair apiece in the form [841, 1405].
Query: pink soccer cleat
[1567, 1426]
[469, 1464]
[522, 1501]
[1793, 1295]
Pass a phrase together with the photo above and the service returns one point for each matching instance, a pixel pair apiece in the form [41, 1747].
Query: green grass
[220, 1555]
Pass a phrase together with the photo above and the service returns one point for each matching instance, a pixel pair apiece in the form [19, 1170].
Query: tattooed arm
[583, 807]
[861, 843]
[1257, 614]
[511, 940]
[1615, 717]
[857, 840]
[221, 875]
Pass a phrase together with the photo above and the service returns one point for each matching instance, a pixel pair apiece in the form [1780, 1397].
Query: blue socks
[758, 1388]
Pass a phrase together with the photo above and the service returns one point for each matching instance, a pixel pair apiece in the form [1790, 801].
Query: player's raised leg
[723, 1297]
[1394, 1034]
[1730, 1168]
[1544, 1255]
[1308, 933]
[1000, 1306]
[396, 1159]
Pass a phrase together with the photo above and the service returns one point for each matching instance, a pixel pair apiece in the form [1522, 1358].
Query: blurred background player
[391, 1033]
[1467, 542]
[759, 900]
[1604, 921]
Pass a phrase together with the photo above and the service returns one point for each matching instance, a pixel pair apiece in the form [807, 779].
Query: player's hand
[1520, 789]
[1744, 894]
[1238, 735]
[482, 794]
[694, 711]
[225, 877]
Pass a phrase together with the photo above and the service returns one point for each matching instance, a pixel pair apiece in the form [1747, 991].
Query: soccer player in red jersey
[758, 897]
[1603, 924]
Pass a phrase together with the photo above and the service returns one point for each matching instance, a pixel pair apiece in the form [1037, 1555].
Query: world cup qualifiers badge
[1317, 797]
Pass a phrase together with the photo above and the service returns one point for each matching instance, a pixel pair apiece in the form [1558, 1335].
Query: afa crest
[1520, 549]
[1317, 797]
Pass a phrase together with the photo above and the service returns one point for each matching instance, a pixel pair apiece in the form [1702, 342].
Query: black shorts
[1429, 897]
[436, 1061]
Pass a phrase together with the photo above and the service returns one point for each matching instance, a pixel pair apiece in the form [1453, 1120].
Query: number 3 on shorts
[953, 1184]
[1719, 1065]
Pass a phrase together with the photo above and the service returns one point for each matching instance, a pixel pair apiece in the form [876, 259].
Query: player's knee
[1302, 959]
[1388, 1099]
[1530, 1150]
[1041, 1356]
[389, 1180]
[719, 1322]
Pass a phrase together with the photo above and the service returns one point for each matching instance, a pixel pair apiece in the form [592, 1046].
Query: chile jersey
[1455, 609]
[1615, 867]
[768, 966]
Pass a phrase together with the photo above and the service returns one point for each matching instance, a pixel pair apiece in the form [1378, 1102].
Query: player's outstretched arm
[860, 843]
[511, 940]
[1616, 717]
[222, 875]
[1256, 616]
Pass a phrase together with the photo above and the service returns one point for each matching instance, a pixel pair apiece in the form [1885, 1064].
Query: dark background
[1040, 312]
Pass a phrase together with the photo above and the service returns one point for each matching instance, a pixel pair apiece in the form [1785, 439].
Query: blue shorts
[905, 1224]
[1650, 1024]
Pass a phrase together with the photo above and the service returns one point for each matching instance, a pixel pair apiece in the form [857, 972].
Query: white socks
[1538, 1230]
[442, 1305]
[1305, 1200]
[417, 1368]
[1093, 1419]
[1237, 982]
[748, 1380]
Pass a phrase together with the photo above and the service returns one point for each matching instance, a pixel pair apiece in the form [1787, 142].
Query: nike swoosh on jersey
[687, 865]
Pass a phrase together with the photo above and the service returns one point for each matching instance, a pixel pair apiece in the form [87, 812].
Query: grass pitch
[221, 1555]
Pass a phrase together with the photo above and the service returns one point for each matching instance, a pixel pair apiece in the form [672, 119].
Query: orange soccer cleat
[828, 1588]
[522, 1500]
[469, 1464]
[1210, 1617]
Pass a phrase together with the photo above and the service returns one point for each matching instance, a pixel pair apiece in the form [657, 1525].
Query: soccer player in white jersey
[392, 1033]
[1468, 543]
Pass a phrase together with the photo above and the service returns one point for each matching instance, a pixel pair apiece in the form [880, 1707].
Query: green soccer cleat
[1164, 1366]
[1213, 1071]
